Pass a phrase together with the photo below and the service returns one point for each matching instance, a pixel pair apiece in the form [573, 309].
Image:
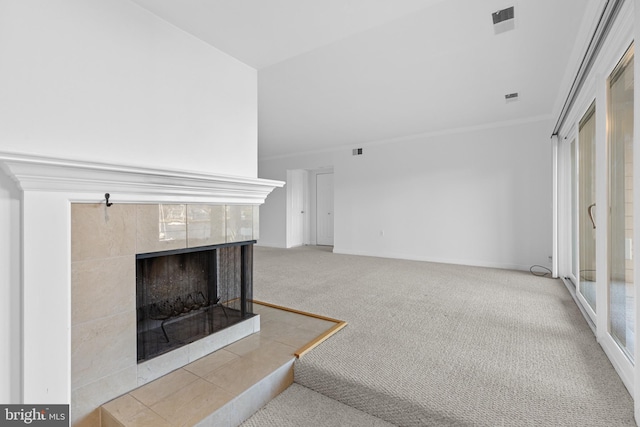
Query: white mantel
[130, 183]
[49, 186]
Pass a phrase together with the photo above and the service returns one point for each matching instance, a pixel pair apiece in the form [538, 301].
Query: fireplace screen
[185, 295]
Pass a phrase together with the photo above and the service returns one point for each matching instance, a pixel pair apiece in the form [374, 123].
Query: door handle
[590, 210]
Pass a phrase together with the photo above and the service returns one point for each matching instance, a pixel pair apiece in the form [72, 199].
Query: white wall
[480, 197]
[107, 81]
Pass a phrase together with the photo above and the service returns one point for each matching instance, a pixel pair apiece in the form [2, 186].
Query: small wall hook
[107, 196]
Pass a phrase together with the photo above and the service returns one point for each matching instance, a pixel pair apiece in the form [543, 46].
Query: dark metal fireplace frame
[180, 307]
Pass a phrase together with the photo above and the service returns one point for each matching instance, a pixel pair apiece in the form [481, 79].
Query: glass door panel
[620, 135]
[575, 241]
[585, 207]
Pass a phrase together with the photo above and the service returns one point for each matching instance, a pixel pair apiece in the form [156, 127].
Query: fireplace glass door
[186, 295]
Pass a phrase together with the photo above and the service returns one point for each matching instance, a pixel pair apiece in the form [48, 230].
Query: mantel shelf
[131, 184]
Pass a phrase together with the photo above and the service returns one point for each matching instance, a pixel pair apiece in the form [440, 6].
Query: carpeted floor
[299, 406]
[444, 345]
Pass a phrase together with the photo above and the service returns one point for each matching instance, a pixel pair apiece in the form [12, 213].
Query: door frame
[317, 216]
[574, 224]
[309, 197]
[595, 87]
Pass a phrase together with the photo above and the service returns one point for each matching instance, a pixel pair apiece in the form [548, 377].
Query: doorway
[297, 183]
[309, 207]
[324, 209]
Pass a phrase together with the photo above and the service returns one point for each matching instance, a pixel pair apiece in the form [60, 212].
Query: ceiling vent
[503, 20]
[511, 97]
[357, 151]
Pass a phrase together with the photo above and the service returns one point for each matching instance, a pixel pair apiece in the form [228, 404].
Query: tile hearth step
[225, 387]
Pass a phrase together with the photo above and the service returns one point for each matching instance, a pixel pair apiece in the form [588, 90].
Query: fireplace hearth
[184, 295]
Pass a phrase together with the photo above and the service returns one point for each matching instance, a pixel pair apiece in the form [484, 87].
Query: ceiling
[341, 73]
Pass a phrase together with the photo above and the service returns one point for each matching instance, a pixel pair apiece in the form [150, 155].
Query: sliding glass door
[584, 210]
[620, 231]
[594, 169]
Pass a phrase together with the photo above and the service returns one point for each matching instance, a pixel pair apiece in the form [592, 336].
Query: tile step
[121, 412]
[226, 387]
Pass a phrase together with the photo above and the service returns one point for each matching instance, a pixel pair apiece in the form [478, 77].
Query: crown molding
[130, 184]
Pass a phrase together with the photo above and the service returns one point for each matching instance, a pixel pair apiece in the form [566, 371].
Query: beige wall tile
[85, 400]
[256, 222]
[238, 376]
[224, 337]
[192, 403]
[104, 244]
[163, 364]
[155, 391]
[271, 355]
[102, 287]
[102, 347]
[147, 418]
[205, 225]
[239, 223]
[101, 232]
[107, 420]
[90, 419]
[238, 410]
[161, 228]
[206, 365]
[247, 345]
[196, 350]
[124, 407]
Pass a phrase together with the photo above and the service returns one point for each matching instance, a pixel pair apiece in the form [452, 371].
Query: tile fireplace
[78, 261]
[138, 271]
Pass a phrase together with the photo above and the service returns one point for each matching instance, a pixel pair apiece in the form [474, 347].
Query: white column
[46, 298]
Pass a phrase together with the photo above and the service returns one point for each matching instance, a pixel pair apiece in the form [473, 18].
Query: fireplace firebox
[184, 295]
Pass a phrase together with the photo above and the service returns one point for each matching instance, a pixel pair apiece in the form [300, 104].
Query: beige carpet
[299, 406]
[443, 345]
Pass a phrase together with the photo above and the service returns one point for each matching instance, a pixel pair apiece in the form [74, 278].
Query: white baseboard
[474, 263]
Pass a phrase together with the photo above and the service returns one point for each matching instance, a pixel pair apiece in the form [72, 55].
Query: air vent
[502, 15]
[357, 151]
[510, 97]
[503, 20]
